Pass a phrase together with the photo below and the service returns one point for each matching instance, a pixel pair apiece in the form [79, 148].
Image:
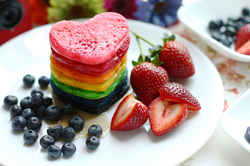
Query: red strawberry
[242, 42]
[129, 115]
[177, 60]
[165, 116]
[177, 93]
[146, 80]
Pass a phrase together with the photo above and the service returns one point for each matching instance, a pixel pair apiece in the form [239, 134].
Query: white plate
[29, 53]
[236, 119]
[198, 14]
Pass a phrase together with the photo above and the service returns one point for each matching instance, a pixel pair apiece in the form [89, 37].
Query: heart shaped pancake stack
[88, 61]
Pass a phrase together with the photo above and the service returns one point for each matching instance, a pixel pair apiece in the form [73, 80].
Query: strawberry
[146, 79]
[242, 42]
[177, 60]
[129, 115]
[177, 93]
[165, 116]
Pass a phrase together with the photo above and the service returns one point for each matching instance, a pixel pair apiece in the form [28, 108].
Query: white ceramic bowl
[198, 14]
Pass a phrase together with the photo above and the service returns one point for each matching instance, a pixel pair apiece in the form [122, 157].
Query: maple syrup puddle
[89, 119]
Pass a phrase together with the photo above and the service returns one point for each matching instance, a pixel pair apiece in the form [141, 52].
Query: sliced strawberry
[165, 116]
[129, 115]
[242, 36]
[245, 48]
[146, 80]
[177, 93]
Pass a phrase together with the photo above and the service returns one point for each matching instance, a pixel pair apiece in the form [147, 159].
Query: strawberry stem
[142, 38]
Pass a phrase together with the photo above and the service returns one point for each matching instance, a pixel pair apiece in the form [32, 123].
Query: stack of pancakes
[88, 61]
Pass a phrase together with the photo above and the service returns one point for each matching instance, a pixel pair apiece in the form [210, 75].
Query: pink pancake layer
[95, 69]
[93, 42]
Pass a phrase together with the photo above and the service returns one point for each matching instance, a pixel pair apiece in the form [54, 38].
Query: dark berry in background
[18, 123]
[34, 123]
[10, 100]
[68, 133]
[46, 141]
[28, 80]
[53, 113]
[15, 110]
[43, 81]
[68, 108]
[47, 101]
[92, 142]
[68, 149]
[36, 91]
[54, 151]
[76, 122]
[95, 130]
[30, 137]
[55, 131]
[40, 111]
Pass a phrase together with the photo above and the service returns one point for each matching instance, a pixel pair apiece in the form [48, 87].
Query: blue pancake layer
[94, 106]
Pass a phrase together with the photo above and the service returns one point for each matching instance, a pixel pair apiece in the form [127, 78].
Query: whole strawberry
[176, 60]
[146, 79]
[242, 42]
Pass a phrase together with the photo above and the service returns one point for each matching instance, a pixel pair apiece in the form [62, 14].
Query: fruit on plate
[177, 93]
[165, 116]
[129, 115]
[176, 59]
[242, 42]
[146, 79]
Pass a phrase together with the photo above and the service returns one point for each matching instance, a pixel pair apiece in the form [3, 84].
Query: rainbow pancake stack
[88, 61]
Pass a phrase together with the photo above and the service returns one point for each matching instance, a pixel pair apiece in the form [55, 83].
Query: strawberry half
[242, 42]
[177, 93]
[165, 116]
[146, 79]
[177, 60]
[129, 115]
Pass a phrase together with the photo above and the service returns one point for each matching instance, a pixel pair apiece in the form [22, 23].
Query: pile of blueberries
[225, 32]
[34, 108]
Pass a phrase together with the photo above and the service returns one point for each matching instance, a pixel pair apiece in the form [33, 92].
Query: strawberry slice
[165, 116]
[177, 93]
[245, 48]
[129, 115]
[242, 36]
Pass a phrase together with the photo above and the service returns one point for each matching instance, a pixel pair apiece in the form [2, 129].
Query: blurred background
[18, 16]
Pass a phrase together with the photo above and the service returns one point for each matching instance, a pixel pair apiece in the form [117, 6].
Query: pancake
[89, 105]
[88, 78]
[87, 86]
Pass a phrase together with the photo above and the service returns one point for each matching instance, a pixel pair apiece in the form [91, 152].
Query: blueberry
[15, 110]
[53, 113]
[26, 103]
[92, 142]
[241, 18]
[43, 81]
[68, 133]
[30, 137]
[76, 122]
[68, 109]
[95, 130]
[68, 149]
[40, 111]
[28, 80]
[213, 25]
[220, 23]
[18, 123]
[54, 151]
[216, 35]
[55, 132]
[46, 141]
[27, 113]
[34, 123]
[230, 31]
[36, 91]
[245, 11]
[36, 99]
[10, 100]
[47, 101]
[247, 135]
